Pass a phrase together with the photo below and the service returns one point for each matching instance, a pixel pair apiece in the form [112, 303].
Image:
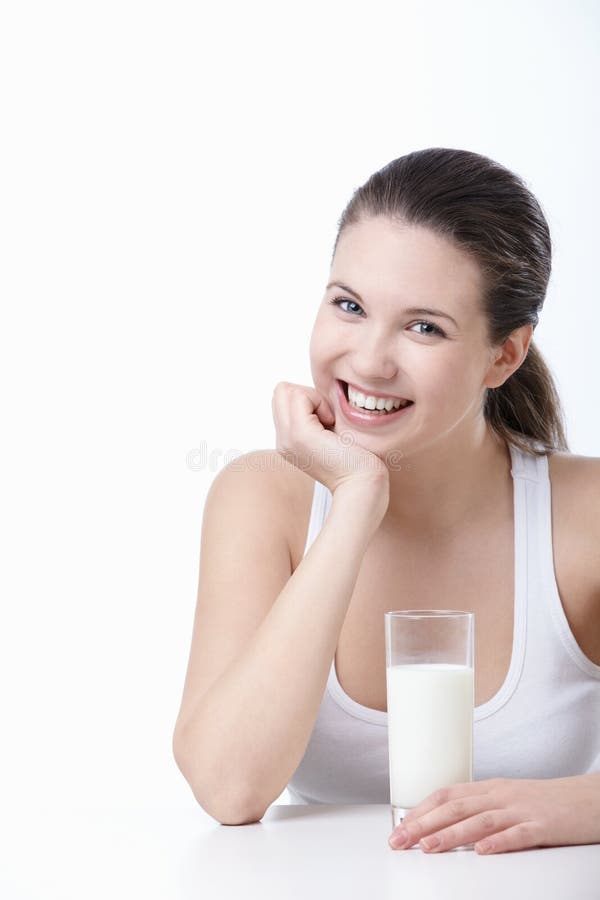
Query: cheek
[323, 349]
[317, 359]
[316, 340]
[447, 392]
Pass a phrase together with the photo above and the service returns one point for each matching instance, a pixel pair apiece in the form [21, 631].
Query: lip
[365, 420]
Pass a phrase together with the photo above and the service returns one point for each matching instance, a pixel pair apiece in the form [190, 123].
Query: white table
[307, 852]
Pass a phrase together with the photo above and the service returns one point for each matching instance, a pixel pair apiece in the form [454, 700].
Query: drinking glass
[430, 702]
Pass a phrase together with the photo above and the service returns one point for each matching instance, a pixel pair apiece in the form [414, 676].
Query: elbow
[239, 817]
[228, 807]
[178, 749]
[179, 741]
[228, 810]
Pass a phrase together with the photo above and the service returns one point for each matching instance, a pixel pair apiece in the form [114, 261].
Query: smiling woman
[486, 212]
[427, 466]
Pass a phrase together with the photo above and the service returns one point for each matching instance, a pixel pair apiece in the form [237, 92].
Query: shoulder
[261, 471]
[577, 477]
[575, 492]
[278, 476]
[575, 485]
[283, 491]
[577, 480]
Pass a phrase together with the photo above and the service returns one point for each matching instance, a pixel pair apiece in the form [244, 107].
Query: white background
[172, 175]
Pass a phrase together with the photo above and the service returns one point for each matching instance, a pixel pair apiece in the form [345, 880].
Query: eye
[436, 330]
[338, 300]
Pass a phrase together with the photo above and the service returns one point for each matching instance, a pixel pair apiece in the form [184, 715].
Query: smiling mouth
[382, 412]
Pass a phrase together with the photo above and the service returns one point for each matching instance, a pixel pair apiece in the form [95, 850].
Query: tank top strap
[529, 466]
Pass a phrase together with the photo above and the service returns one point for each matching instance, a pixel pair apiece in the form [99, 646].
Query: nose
[374, 361]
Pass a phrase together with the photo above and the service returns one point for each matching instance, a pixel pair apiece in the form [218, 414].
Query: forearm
[591, 782]
[249, 731]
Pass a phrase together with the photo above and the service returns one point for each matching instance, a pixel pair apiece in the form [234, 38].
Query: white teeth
[370, 402]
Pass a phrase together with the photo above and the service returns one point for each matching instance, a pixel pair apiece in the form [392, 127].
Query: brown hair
[487, 211]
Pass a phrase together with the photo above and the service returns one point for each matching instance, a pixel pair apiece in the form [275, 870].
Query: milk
[430, 729]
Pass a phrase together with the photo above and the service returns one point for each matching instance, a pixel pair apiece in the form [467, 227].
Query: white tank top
[544, 722]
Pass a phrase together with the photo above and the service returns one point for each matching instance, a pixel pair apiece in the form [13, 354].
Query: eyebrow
[411, 310]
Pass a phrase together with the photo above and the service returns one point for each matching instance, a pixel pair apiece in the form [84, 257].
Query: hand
[304, 422]
[504, 814]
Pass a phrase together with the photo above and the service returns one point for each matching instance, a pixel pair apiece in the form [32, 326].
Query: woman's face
[374, 339]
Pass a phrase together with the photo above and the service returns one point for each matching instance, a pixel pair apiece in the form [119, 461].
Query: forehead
[406, 263]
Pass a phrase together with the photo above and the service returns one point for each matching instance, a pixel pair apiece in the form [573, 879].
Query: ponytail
[526, 409]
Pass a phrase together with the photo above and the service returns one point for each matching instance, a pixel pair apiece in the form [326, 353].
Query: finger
[446, 794]
[468, 831]
[320, 406]
[446, 815]
[519, 837]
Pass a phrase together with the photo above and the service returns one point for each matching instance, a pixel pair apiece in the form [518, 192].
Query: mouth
[367, 418]
[355, 398]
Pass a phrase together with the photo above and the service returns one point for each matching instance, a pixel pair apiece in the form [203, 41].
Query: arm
[242, 732]
[505, 814]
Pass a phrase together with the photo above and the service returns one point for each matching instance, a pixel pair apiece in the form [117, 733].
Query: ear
[509, 356]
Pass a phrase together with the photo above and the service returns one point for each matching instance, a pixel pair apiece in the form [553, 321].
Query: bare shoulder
[284, 488]
[261, 472]
[575, 485]
[283, 480]
[577, 478]
[575, 482]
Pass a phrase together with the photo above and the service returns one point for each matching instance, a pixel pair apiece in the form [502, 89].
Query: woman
[461, 494]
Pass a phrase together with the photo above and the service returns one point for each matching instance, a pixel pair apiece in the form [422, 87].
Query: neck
[447, 485]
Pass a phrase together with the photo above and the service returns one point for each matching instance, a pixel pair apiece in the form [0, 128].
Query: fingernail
[430, 842]
[399, 838]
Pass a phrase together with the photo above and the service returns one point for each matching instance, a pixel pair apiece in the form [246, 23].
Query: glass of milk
[430, 702]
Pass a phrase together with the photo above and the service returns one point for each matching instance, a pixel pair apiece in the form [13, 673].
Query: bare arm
[240, 740]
